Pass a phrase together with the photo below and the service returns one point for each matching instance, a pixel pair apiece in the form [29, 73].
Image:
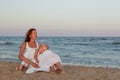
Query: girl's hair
[27, 38]
[45, 45]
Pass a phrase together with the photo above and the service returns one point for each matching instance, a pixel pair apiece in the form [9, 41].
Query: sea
[76, 51]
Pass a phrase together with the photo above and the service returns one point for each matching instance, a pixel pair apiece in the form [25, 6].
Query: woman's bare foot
[17, 69]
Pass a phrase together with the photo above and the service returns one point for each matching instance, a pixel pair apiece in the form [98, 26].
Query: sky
[60, 17]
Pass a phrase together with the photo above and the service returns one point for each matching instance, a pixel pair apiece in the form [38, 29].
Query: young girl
[47, 58]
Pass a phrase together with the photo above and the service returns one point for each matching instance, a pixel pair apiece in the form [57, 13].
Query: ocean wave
[9, 60]
[8, 55]
[116, 49]
[80, 43]
[116, 43]
[7, 43]
[97, 38]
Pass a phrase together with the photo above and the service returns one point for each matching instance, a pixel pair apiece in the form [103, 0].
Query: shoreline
[64, 64]
[7, 72]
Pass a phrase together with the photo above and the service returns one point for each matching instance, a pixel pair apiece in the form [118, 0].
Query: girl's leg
[59, 66]
[52, 69]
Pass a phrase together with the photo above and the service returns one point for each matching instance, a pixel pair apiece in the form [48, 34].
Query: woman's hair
[27, 38]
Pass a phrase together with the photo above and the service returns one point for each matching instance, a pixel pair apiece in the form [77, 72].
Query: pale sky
[60, 17]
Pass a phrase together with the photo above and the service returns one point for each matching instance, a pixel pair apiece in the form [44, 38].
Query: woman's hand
[37, 61]
[35, 65]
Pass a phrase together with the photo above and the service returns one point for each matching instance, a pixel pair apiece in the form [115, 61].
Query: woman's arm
[21, 57]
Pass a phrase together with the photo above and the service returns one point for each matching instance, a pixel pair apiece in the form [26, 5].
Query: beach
[7, 72]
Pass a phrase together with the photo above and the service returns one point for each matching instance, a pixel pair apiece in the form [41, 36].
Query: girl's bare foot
[51, 72]
[60, 71]
[63, 72]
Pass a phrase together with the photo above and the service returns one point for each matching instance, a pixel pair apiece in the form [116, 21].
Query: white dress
[29, 54]
[46, 59]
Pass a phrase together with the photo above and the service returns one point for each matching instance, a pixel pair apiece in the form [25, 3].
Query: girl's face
[33, 35]
[41, 50]
[44, 47]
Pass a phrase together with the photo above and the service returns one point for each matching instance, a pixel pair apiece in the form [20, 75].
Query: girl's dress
[46, 60]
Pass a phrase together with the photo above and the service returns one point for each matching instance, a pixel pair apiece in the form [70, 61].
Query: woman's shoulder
[39, 44]
[23, 44]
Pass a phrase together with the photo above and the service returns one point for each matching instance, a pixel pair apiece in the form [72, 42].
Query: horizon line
[63, 36]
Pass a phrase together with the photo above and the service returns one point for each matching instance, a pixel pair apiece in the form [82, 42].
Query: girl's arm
[36, 55]
[40, 45]
[21, 57]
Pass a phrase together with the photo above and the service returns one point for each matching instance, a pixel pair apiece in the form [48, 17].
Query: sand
[7, 72]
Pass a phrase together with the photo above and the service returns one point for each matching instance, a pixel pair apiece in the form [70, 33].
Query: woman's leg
[20, 67]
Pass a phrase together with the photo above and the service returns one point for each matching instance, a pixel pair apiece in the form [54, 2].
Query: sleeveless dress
[46, 60]
[29, 54]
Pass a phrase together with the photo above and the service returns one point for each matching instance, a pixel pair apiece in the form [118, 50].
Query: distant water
[85, 51]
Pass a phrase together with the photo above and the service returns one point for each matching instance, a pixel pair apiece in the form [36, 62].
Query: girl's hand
[35, 65]
[36, 50]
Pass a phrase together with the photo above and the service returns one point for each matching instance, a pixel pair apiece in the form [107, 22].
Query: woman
[27, 51]
[28, 48]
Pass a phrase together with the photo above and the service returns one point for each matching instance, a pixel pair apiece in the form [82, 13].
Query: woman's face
[33, 35]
